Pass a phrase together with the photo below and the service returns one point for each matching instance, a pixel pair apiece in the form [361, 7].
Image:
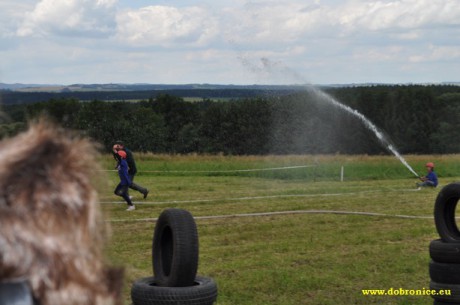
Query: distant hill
[32, 93]
[133, 87]
[145, 87]
[18, 87]
[25, 94]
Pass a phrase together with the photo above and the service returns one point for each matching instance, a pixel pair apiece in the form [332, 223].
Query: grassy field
[311, 250]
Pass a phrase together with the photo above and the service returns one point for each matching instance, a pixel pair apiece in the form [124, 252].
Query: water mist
[277, 69]
[369, 125]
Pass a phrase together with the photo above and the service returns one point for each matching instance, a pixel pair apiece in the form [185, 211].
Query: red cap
[122, 154]
[430, 164]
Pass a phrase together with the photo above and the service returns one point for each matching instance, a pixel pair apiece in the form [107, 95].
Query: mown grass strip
[289, 257]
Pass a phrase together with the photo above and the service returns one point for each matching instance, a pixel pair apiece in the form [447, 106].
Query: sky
[229, 41]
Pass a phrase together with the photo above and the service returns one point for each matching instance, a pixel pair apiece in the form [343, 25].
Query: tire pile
[175, 265]
[445, 252]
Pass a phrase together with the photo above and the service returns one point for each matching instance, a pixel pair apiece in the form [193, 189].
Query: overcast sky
[229, 41]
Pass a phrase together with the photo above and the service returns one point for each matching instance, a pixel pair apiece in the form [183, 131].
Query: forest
[418, 119]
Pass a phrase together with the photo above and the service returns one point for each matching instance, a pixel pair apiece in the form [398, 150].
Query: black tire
[444, 213]
[443, 252]
[145, 291]
[454, 296]
[445, 273]
[175, 249]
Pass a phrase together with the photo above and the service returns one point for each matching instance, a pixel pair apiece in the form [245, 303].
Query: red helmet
[430, 164]
[122, 154]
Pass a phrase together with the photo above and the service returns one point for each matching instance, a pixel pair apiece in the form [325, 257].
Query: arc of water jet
[371, 126]
[268, 65]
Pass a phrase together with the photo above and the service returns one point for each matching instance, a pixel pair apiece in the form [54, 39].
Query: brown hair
[52, 231]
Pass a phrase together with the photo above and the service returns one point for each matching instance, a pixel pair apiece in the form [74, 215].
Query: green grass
[311, 258]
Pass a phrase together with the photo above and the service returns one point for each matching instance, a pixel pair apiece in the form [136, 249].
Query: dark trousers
[135, 186]
[122, 191]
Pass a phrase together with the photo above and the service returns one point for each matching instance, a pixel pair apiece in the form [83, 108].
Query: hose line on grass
[285, 213]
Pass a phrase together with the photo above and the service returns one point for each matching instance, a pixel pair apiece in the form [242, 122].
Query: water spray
[277, 68]
[371, 126]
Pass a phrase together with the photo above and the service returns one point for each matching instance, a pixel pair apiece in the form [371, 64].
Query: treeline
[9, 97]
[417, 119]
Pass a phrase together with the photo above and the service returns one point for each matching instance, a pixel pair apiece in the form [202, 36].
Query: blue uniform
[433, 178]
[125, 181]
[122, 167]
[430, 180]
[132, 170]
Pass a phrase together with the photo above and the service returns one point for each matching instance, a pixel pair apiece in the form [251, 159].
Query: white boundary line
[221, 171]
[273, 213]
[258, 197]
[284, 213]
[241, 198]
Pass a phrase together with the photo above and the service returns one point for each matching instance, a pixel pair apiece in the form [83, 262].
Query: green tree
[446, 138]
[62, 111]
[176, 114]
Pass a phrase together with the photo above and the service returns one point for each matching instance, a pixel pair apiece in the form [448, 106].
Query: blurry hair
[52, 231]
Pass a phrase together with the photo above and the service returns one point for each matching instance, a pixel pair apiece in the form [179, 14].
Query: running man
[132, 170]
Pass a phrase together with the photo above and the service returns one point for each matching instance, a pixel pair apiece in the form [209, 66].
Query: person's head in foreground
[52, 232]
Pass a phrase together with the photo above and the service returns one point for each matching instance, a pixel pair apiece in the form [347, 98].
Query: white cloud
[273, 22]
[251, 23]
[228, 41]
[70, 18]
[11, 15]
[437, 53]
[166, 26]
[398, 14]
[293, 21]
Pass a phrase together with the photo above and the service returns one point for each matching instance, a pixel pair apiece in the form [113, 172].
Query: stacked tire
[445, 252]
[175, 265]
